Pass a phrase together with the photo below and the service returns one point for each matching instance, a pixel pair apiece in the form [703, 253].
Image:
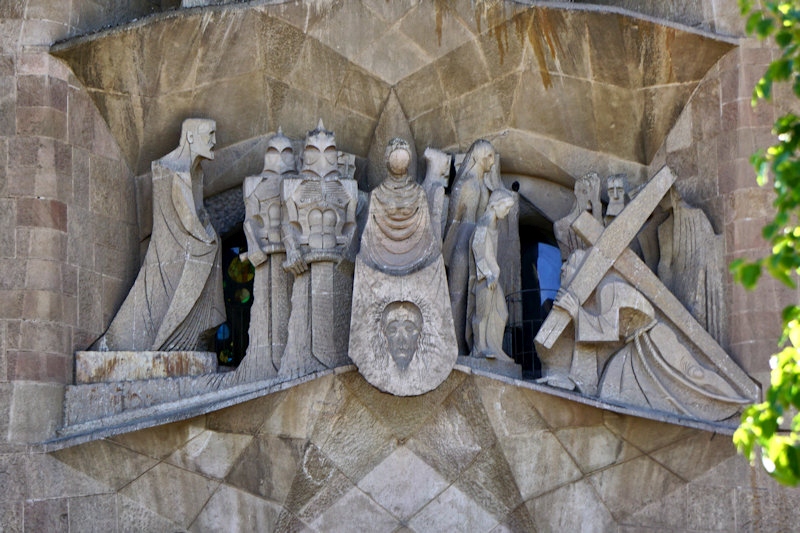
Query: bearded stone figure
[401, 332]
[176, 300]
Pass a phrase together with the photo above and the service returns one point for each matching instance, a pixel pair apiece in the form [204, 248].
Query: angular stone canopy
[563, 83]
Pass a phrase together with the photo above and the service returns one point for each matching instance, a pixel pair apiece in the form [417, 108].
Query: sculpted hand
[567, 301]
[491, 282]
[294, 262]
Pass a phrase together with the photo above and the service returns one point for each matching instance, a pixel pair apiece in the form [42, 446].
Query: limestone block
[318, 483]
[48, 478]
[267, 467]
[161, 441]
[93, 513]
[453, 511]
[99, 367]
[628, 486]
[595, 447]
[234, 510]
[552, 512]
[403, 484]
[46, 515]
[172, 492]
[107, 462]
[35, 412]
[130, 512]
[359, 512]
[210, 453]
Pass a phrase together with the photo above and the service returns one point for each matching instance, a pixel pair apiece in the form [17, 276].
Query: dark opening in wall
[540, 272]
[237, 284]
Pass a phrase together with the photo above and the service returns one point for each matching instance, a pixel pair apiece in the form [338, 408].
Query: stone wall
[68, 235]
[328, 453]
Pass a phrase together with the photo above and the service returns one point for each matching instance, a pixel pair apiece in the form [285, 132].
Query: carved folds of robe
[398, 237]
[177, 298]
[653, 368]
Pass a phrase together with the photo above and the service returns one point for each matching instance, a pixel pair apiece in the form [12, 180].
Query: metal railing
[526, 312]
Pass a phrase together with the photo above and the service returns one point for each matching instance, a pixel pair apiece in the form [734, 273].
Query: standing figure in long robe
[468, 201]
[176, 302]
[488, 314]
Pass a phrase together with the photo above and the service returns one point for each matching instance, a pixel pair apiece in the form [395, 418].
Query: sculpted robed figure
[176, 301]
[401, 333]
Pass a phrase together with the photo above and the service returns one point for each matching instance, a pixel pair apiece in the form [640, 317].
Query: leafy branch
[780, 164]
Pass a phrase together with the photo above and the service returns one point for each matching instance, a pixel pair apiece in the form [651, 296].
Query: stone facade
[334, 452]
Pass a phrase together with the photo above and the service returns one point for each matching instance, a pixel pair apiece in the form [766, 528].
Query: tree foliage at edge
[780, 164]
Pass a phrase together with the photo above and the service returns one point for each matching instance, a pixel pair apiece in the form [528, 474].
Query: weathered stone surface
[46, 515]
[596, 447]
[694, 455]
[357, 511]
[35, 411]
[403, 415]
[316, 487]
[633, 484]
[402, 484]
[490, 481]
[236, 510]
[133, 516]
[539, 462]
[210, 453]
[99, 367]
[453, 511]
[296, 415]
[551, 512]
[109, 463]
[355, 441]
[171, 492]
[158, 442]
[318, 66]
[96, 513]
[268, 466]
[511, 410]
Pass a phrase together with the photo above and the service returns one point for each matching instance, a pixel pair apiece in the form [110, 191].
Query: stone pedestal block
[99, 367]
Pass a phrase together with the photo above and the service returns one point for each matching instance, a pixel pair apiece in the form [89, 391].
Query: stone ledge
[174, 411]
[466, 365]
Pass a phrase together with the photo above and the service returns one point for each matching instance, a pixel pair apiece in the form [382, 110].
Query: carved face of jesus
[401, 326]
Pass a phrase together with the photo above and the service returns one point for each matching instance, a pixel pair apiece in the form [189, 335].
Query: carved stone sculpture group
[407, 278]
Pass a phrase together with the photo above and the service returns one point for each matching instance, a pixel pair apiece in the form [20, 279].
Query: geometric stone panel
[605, 82]
[402, 484]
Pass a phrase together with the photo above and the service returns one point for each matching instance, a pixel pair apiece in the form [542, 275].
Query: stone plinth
[99, 367]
